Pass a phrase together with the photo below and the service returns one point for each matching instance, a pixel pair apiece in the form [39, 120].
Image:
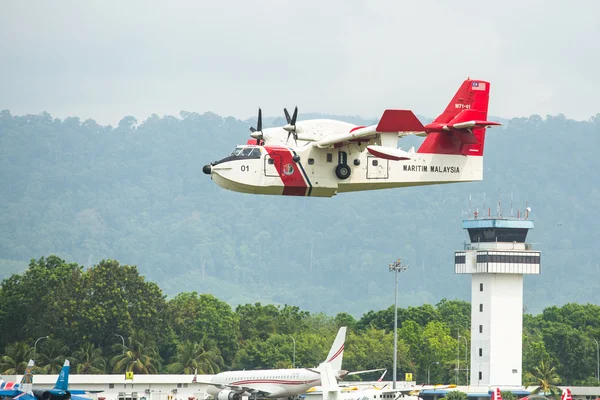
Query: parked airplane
[327, 157]
[24, 390]
[276, 383]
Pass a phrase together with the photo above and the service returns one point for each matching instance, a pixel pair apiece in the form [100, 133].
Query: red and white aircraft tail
[496, 394]
[336, 353]
[566, 394]
[460, 129]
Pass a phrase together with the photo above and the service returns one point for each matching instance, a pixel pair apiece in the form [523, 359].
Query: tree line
[109, 319]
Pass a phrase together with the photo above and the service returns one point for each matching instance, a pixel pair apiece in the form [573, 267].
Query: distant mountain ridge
[136, 193]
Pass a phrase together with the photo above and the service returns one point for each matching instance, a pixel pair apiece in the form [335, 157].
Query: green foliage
[508, 395]
[51, 355]
[193, 357]
[456, 395]
[141, 356]
[195, 317]
[15, 358]
[201, 332]
[89, 360]
[545, 377]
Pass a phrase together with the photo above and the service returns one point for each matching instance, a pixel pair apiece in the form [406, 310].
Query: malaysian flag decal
[478, 86]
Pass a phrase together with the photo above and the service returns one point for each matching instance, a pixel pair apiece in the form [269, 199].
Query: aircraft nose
[207, 169]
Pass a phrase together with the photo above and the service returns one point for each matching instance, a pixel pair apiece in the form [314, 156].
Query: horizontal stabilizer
[474, 124]
[399, 121]
[389, 153]
[467, 119]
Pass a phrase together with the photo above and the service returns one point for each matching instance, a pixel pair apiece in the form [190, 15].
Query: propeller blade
[287, 115]
[259, 123]
[252, 129]
[293, 121]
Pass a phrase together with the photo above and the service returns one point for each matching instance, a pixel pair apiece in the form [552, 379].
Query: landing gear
[342, 170]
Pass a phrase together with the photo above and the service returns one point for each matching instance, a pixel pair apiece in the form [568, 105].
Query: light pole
[436, 363]
[123, 340]
[466, 356]
[396, 266]
[597, 359]
[294, 359]
[35, 346]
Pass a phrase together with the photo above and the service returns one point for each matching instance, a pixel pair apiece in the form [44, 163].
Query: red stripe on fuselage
[294, 183]
[271, 381]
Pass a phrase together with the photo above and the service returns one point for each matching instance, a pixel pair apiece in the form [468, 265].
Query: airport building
[141, 387]
[497, 256]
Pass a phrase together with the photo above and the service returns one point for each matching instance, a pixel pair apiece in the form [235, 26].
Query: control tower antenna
[511, 203]
[499, 207]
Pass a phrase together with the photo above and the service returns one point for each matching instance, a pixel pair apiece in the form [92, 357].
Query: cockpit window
[246, 152]
[255, 152]
[237, 151]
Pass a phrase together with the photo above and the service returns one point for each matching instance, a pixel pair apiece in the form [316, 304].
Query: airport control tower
[497, 257]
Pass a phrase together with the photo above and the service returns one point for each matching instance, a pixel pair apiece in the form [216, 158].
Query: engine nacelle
[52, 394]
[228, 395]
[42, 394]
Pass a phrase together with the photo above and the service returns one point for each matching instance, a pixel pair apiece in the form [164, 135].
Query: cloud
[107, 59]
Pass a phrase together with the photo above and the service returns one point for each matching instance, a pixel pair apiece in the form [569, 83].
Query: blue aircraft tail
[62, 383]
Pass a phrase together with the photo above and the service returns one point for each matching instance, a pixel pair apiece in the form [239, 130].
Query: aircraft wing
[11, 393]
[17, 394]
[237, 388]
[398, 122]
[77, 391]
[80, 398]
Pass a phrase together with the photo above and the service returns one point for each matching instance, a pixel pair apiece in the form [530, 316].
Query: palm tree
[51, 356]
[89, 359]
[546, 378]
[15, 358]
[203, 357]
[139, 356]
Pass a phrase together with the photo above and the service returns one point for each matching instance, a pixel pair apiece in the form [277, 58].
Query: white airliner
[277, 383]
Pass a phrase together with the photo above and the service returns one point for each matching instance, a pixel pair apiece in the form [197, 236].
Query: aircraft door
[377, 168]
[272, 165]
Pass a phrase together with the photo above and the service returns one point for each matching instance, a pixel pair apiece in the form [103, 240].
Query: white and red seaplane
[323, 157]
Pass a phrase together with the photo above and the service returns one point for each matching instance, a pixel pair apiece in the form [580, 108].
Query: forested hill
[136, 193]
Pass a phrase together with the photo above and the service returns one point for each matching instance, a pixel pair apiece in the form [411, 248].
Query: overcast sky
[107, 59]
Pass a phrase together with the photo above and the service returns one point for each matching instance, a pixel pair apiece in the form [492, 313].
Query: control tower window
[480, 375]
[480, 328]
[481, 307]
[480, 352]
[481, 287]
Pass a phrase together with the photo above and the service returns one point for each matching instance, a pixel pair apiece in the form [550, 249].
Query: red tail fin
[468, 109]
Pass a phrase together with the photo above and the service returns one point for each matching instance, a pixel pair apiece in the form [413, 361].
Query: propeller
[291, 124]
[258, 136]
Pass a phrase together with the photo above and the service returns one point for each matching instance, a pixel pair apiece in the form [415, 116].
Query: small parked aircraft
[25, 391]
[324, 157]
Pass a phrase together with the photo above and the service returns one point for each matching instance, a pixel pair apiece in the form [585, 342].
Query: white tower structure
[497, 257]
